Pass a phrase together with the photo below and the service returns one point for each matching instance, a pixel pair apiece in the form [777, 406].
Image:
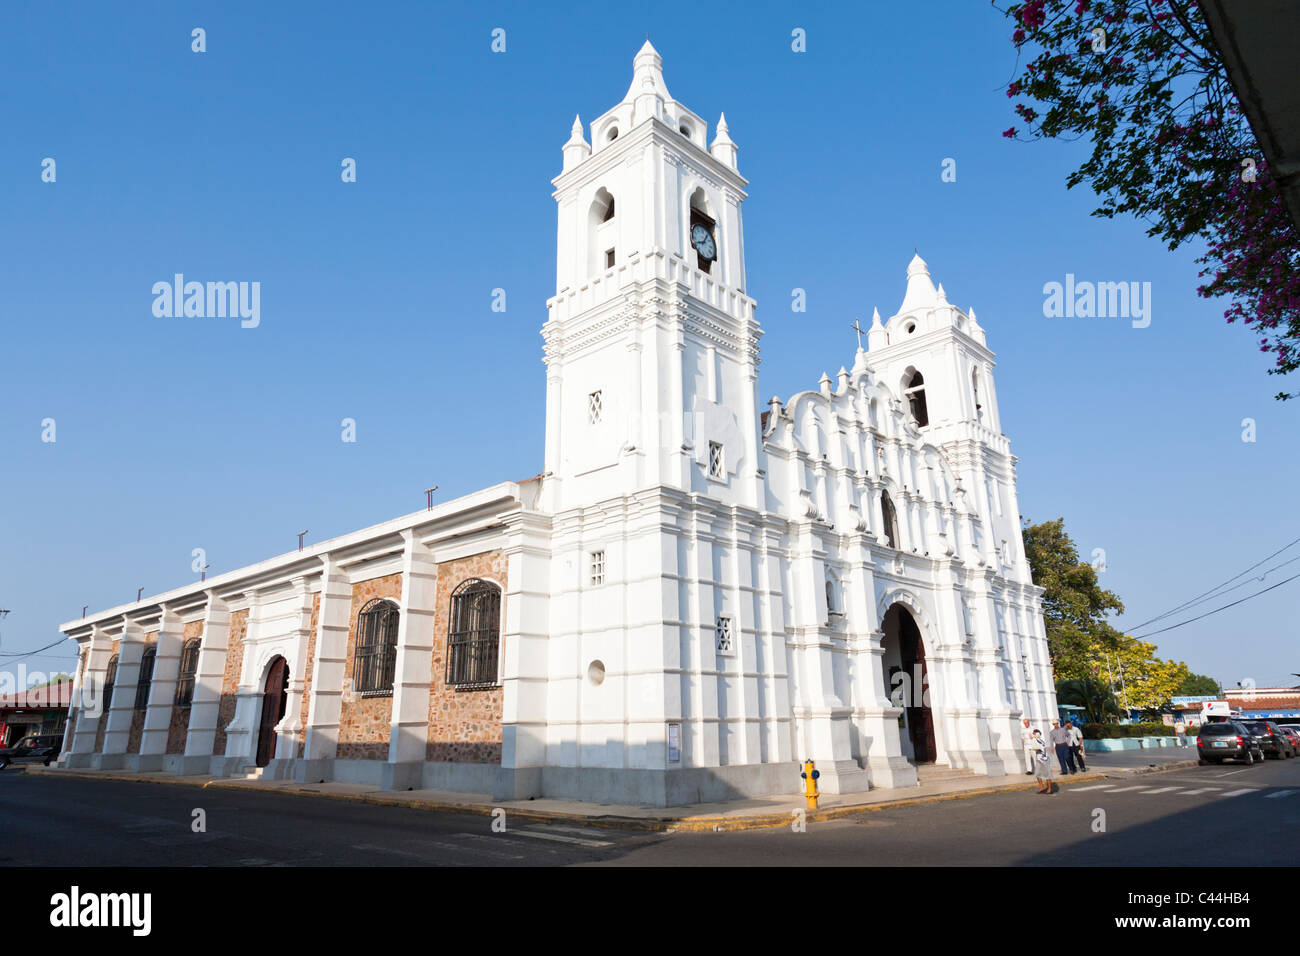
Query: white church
[697, 592]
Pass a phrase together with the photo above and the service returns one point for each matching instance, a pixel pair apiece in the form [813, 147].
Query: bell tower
[651, 344]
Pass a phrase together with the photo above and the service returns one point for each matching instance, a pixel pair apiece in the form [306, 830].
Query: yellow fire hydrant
[810, 775]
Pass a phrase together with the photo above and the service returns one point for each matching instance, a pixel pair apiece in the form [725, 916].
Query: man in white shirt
[1076, 744]
[1027, 744]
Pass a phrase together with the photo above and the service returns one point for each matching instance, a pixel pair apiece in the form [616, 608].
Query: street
[1207, 816]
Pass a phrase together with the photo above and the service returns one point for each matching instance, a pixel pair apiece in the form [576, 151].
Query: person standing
[1060, 741]
[1042, 762]
[1027, 745]
[1076, 744]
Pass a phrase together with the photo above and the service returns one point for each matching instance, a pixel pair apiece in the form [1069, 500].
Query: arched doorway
[905, 655]
[274, 699]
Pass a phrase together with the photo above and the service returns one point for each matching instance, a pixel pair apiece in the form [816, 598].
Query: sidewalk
[757, 813]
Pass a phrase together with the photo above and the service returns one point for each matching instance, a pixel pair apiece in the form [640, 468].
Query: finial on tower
[723, 149]
[576, 149]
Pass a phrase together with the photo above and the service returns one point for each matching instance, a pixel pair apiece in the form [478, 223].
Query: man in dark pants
[1076, 744]
[1060, 741]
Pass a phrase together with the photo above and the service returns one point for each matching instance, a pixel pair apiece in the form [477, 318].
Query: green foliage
[1094, 696]
[1074, 605]
[1198, 685]
[1116, 731]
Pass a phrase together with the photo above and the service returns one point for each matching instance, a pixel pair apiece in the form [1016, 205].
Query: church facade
[696, 593]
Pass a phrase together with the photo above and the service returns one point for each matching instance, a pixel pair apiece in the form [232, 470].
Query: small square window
[598, 567]
[609, 258]
[723, 633]
[594, 408]
[717, 464]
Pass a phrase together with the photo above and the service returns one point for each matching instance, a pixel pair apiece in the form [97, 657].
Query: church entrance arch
[275, 697]
[907, 683]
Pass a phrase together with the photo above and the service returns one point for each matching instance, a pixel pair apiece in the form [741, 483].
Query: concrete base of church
[407, 775]
[108, 762]
[189, 766]
[76, 761]
[888, 773]
[144, 763]
[670, 788]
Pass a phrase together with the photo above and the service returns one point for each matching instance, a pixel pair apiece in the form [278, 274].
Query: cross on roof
[856, 327]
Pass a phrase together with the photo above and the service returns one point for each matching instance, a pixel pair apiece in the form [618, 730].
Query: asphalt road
[1208, 816]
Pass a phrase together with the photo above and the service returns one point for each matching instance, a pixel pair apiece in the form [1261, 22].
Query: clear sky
[174, 434]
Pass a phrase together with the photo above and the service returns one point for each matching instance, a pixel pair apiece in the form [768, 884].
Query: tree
[1093, 695]
[1142, 81]
[1146, 682]
[1198, 685]
[1074, 603]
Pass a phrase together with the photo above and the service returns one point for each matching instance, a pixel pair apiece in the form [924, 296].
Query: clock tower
[651, 345]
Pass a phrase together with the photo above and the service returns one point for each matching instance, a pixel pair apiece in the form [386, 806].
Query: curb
[660, 824]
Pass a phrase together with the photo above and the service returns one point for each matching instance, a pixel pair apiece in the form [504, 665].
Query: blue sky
[177, 433]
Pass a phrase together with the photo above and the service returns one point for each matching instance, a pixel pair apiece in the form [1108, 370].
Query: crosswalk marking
[1280, 793]
[1127, 789]
[1237, 793]
[1095, 786]
[1188, 793]
[1109, 788]
[560, 838]
[1162, 790]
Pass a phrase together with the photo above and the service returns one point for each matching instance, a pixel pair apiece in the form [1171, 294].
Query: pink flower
[1009, 133]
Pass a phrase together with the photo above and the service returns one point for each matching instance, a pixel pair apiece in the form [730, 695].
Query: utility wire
[1217, 609]
[17, 655]
[1214, 591]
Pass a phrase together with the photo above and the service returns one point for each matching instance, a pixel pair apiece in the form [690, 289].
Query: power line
[17, 656]
[1214, 591]
[1217, 609]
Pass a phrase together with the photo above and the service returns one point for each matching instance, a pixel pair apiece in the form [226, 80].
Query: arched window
[475, 635]
[890, 518]
[702, 218]
[185, 676]
[375, 661]
[914, 390]
[110, 678]
[602, 234]
[146, 678]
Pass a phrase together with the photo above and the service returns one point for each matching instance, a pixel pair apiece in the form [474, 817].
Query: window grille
[717, 464]
[146, 678]
[110, 678]
[594, 408]
[375, 661]
[185, 676]
[723, 633]
[475, 635]
[598, 567]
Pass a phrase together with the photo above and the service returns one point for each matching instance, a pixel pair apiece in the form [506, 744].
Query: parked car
[1273, 742]
[1228, 740]
[1293, 735]
[33, 749]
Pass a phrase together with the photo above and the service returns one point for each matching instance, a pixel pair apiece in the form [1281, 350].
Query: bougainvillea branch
[1141, 80]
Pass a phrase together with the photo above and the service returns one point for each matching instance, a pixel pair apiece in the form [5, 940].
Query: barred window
[595, 407]
[146, 678]
[110, 678]
[185, 676]
[376, 656]
[598, 567]
[475, 635]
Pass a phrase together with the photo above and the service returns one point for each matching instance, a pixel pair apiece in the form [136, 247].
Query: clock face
[703, 242]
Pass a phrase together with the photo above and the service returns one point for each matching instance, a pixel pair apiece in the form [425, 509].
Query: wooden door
[274, 700]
